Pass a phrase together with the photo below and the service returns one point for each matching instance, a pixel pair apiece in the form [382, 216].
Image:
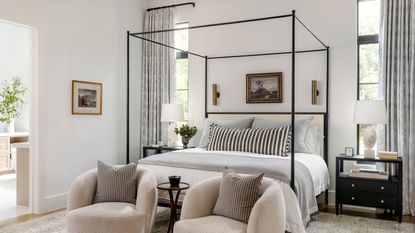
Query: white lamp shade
[172, 113]
[370, 112]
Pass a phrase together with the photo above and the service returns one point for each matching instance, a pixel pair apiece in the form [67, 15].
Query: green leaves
[186, 131]
[11, 99]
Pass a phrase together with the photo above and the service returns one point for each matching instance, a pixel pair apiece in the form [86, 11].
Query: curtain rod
[174, 5]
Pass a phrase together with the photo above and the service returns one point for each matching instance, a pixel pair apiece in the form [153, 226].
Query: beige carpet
[320, 223]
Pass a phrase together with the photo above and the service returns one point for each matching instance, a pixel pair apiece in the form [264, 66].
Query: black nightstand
[161, 149]
[384, 194]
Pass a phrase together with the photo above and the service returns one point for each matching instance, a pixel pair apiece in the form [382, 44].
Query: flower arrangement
[186, 132]
[11, 99]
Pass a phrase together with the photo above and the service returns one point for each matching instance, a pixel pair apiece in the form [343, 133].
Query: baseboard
[53, 202]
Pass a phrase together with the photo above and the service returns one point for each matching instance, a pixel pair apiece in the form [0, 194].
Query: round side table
[173, 200]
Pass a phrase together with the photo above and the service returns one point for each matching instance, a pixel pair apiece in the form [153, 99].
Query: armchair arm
[147, 195]
[82, 190]
[268, 214]
[200, 199]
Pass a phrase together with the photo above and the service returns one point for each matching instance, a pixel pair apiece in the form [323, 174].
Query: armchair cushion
[106, 217]
[116, 183]
[210, 224]
[237, 195]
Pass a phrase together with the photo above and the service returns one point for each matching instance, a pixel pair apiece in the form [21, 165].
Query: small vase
[10, 127]
[185, 141]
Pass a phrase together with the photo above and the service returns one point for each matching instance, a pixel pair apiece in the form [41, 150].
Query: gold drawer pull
[352, 185]
[381, 201]
[353, 198]
[382, 188]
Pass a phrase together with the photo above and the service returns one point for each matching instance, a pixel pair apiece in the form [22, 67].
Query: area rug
[320, 223]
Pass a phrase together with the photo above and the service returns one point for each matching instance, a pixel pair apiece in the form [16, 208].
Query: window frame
[362, 40]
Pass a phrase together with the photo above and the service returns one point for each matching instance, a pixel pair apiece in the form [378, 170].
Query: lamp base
[369, 153]
[171, 136]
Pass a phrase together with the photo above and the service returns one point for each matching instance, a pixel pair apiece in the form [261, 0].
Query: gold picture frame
[264, 88]
[86, 98]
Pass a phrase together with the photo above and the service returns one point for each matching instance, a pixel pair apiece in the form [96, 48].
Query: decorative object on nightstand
[174, 201]
[370, 112]
[186, 132]
[160, 149]
[349, 151]
[372, 188]
[172, 113]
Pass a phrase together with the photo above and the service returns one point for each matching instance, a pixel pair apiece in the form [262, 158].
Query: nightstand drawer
[369, 200]
[352, 185]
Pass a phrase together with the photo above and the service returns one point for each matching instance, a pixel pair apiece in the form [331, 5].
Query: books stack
[388, 155]
[369, 174]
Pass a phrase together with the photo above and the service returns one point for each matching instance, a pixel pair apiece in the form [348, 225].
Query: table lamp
[171, 113]
[369, 112]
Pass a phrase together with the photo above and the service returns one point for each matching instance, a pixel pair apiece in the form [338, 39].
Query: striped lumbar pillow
[116, 183]
[273, 141]
[237, 195]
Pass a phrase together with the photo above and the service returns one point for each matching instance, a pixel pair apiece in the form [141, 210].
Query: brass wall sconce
[215, 94]
[314, 92]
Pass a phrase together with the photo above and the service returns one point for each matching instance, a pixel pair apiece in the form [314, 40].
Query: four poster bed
[302, 176]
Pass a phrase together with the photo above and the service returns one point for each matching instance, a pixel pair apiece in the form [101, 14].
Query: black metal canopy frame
[293, 52]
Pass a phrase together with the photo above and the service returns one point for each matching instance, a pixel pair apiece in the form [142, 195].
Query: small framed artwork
[349, 151]
[86, 98]
[264, 88]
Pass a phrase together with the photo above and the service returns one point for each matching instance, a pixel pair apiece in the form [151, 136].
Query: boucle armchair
[267, 215]
[111, 217]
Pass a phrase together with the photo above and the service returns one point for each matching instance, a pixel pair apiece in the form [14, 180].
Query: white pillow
[313, 140]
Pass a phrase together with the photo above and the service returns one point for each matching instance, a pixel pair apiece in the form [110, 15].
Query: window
[368, 56]
[181, 41]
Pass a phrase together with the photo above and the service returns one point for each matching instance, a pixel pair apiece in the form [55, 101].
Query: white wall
[83, 40]
[334, 21]
[16, 60]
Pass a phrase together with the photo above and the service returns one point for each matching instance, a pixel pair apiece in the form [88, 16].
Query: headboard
[318, 120]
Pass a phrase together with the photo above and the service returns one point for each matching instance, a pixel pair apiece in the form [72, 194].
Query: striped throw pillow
[273, 141]
[116, 183]
[238, 195]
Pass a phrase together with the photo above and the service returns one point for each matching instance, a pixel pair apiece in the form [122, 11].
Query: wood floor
[364, 213]
[24, 218]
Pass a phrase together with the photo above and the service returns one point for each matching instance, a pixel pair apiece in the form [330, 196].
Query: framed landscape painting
[264, 88]
[86, 98]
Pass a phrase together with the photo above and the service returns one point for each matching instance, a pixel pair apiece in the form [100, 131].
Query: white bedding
[314, 163]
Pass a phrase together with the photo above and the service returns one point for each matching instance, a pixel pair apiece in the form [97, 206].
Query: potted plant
[11, 101]
[186, 132]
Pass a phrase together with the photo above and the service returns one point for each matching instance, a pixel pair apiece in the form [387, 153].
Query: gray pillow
[300, 130]
[238, 195]
[231, 124]
[116, 183]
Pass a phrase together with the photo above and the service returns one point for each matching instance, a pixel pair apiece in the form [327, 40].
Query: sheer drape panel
[397, 44]
[158, 71]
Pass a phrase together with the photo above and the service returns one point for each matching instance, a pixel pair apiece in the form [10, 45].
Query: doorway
[17, 75]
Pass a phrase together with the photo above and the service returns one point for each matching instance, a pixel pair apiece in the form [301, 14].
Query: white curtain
[157, 75]
[397, 44]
